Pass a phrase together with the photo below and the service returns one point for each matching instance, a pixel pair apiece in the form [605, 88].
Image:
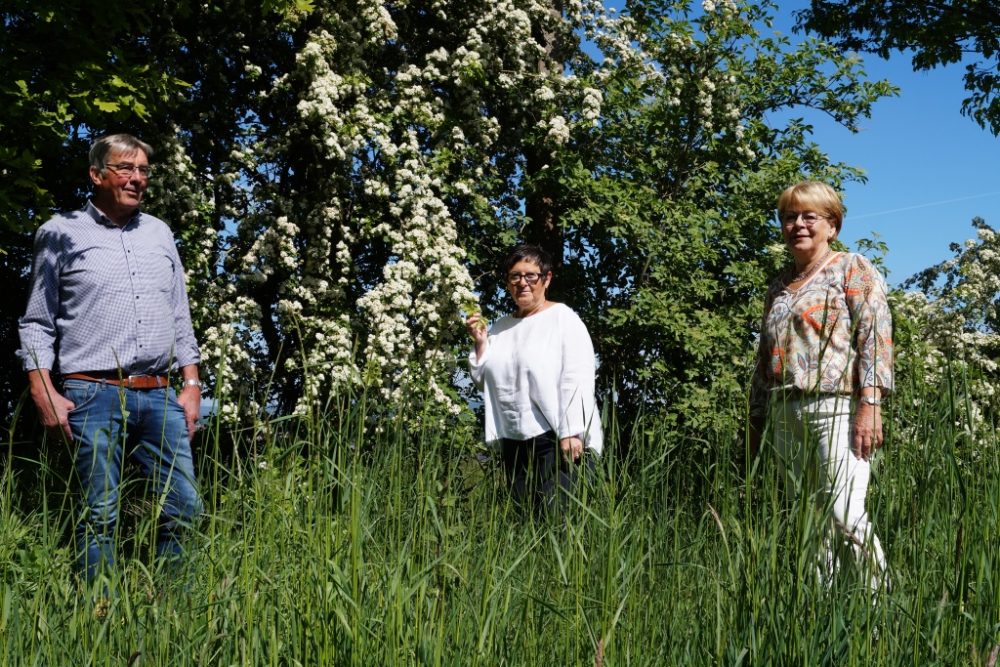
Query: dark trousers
[539, 477]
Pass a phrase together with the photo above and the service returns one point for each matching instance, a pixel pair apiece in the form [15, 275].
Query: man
[108, 309]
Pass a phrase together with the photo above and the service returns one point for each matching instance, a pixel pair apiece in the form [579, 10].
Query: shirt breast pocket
[158, 271]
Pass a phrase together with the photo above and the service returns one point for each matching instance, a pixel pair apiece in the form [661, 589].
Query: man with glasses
[108, 311]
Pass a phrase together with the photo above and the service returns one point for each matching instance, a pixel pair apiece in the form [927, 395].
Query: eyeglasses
[530, 278]
[809, 218]
[127, 169]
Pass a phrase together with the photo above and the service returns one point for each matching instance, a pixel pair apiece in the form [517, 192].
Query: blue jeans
[108, 423]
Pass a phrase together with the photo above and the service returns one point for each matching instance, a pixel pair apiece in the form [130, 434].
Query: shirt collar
[98, 216]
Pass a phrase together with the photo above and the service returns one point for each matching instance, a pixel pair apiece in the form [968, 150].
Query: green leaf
[106, 106]
[118, 82]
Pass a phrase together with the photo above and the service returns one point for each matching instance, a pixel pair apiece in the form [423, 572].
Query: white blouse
[537, 375]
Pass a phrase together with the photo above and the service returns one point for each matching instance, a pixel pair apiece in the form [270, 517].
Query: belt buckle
[143, 381]
[132, 379]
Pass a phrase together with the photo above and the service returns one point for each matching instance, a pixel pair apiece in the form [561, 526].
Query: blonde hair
[813, 196]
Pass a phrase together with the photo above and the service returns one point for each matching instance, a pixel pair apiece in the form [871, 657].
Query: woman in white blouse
[536, 368]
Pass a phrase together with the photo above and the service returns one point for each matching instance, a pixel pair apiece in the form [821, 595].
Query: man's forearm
[40, 383]
[189, 372]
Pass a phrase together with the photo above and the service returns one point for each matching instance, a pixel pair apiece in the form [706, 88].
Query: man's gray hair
[123, 143]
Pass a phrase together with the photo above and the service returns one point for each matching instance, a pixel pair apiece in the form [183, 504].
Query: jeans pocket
[172, 402]
[81, 392]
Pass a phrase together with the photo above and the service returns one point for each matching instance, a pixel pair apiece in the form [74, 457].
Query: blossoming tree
[949, 331]
[389, 153]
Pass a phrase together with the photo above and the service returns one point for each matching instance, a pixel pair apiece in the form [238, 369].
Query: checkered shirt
[105, 298]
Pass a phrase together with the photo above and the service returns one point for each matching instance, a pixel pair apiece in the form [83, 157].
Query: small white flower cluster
[563, 103]
[592, 100]
[544, 94]
[180, 187]
[558, 130]
[710, 6]
[274, 249]
[378, 18]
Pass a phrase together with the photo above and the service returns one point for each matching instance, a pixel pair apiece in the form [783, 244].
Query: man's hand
[190, 400]
[53, 408]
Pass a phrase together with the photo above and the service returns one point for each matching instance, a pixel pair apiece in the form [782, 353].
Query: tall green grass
[349, 542]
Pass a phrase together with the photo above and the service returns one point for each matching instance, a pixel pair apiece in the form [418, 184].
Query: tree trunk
[541, 203]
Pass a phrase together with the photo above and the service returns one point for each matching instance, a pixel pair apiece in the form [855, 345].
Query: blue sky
[930, 169]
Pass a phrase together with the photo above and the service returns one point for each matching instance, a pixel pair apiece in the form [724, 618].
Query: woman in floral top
[824, 365]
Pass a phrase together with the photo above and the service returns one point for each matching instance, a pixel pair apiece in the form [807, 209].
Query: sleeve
[37, 328]
[185, 345]
[577, 409]
[477, 368]
[871, 323]
[759, 385]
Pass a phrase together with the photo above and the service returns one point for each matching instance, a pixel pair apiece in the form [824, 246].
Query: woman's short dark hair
[529, 253]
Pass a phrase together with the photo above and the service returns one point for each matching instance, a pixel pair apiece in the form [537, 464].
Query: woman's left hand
[572, 448]
[866, 431]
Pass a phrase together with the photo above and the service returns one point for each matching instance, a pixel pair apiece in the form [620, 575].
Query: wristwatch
[192, 382]
[871, 400]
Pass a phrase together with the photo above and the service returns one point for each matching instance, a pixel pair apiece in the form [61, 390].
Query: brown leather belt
[127, 381]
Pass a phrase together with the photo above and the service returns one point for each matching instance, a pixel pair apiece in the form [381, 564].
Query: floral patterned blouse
[832, 335]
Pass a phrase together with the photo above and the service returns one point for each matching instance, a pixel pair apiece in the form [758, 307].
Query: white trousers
[812, 442]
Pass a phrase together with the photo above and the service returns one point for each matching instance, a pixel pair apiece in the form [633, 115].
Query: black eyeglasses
[127, 169]
[530, 278]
